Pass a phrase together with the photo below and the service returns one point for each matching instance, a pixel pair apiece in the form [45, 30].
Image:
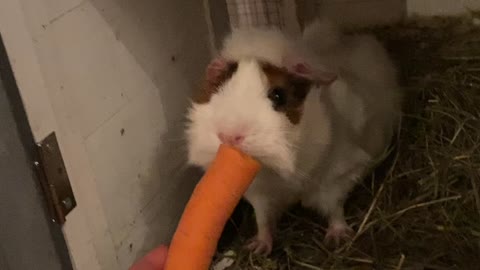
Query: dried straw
[421, 208]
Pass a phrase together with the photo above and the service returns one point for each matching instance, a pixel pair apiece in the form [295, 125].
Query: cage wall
[112, 79]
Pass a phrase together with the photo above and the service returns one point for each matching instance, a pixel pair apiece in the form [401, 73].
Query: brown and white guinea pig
[316, 111]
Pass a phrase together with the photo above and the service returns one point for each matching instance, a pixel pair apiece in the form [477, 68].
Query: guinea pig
[316, 111]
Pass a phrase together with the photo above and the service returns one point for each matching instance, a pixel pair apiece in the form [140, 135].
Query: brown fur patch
[296, 89]
[212, 82]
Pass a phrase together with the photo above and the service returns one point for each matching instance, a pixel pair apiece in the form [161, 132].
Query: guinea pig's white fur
[241, 106]
[344, 128]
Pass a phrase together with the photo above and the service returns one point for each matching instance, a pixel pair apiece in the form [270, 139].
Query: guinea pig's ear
[217, 69]
[301, 68]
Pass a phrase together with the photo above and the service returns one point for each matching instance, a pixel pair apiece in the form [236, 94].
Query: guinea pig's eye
[278, 96]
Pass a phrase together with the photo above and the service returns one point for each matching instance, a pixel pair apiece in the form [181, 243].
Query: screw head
[67, 202]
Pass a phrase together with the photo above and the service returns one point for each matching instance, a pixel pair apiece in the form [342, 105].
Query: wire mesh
[253, 13]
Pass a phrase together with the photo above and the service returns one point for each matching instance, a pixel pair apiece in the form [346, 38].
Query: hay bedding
[421, 208]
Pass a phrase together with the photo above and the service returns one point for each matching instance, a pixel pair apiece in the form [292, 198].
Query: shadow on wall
[169, 40]
[170, 165]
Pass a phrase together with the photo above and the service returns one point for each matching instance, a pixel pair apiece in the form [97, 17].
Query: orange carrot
[210, 206]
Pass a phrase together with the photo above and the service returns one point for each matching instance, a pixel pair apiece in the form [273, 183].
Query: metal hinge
[54, 179]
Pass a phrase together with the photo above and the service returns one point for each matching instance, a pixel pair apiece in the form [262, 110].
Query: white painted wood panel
[88, 83]
[111, 78]
[124, 157]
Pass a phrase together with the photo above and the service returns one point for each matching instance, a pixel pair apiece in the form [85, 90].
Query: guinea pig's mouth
[277, 157]
[284, 165]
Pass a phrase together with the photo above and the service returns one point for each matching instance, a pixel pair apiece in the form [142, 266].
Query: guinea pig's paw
[260, 245]
[338, 233]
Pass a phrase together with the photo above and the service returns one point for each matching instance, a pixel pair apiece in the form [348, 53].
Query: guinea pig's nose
[234, 139]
